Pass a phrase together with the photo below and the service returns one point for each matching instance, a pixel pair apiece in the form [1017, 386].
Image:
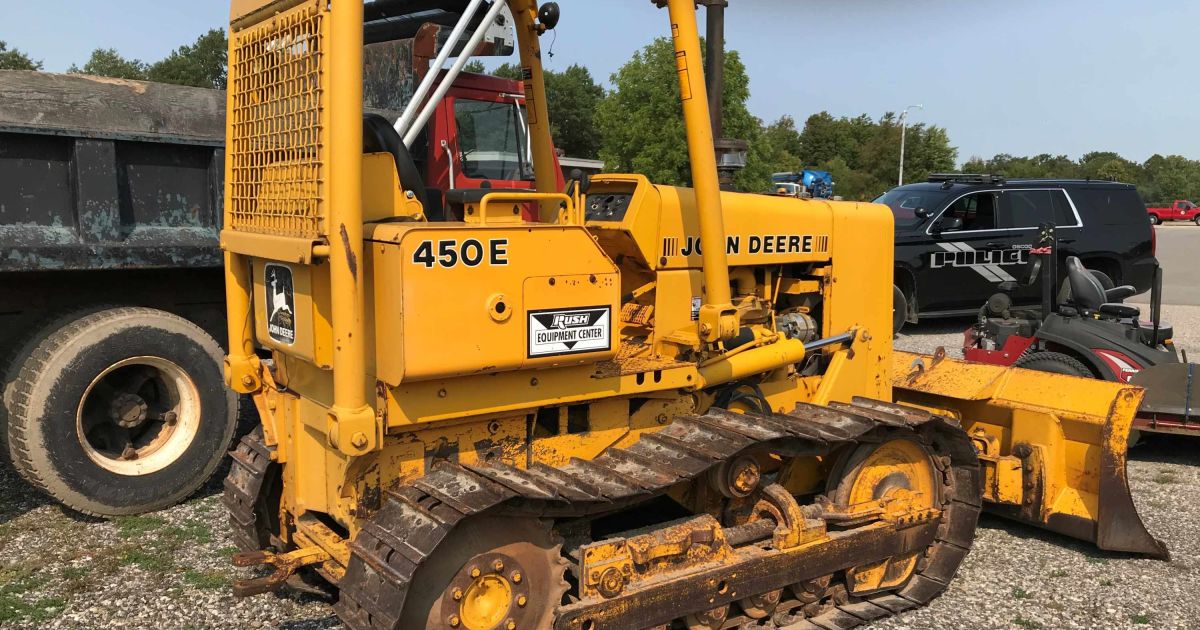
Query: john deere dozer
[652, 407]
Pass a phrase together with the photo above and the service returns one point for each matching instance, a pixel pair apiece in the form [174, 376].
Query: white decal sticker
[988, 263]
[281, 304]
[570, 331]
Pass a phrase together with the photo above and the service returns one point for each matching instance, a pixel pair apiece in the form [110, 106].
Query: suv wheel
[899, 309]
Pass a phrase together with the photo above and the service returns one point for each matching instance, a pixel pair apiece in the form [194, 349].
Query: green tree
[784, 137]
[475, 67]
[864, 154]
[572, 97]
[16, 60]
[107, 62]
[201, 64]
[641, 121]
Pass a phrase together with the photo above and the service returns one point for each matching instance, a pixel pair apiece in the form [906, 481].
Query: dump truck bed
[100, 173]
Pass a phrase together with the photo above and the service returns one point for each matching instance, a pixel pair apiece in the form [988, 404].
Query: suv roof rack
[966, 178]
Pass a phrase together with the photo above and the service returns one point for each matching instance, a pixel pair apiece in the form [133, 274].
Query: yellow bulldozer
[652, 407]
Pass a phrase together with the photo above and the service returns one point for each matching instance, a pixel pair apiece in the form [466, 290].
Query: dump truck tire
[119, 411]
[1054, 362]
[24, 344]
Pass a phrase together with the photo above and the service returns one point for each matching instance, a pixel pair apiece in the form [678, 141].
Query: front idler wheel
[898, 476]
[492, 574]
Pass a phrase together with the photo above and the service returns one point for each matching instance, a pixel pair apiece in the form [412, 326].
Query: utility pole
[731, 154]
[904, 134]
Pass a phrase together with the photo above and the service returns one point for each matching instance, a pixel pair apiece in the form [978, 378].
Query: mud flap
[1172, 403]
[1053, 447]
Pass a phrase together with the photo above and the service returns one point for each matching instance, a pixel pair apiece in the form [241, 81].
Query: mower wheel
[1054, 363]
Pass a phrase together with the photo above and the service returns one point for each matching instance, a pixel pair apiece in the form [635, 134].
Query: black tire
[163, 371]
[1155, 220]
[1054, 363]
[1197, 220]
[899, 310]
[24, 344]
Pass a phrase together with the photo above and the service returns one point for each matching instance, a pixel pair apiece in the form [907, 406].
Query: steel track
[416, 518]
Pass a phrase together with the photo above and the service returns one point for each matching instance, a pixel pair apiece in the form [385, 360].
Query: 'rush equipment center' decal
[989, 263]
[570, 331]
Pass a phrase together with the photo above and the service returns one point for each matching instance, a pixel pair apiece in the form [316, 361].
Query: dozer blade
[1053, 447]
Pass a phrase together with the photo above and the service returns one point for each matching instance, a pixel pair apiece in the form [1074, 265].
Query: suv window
[491, 139]
[1031, 208]
[1110, 206]
[977, 211]
[905, 203]
[1025, 208]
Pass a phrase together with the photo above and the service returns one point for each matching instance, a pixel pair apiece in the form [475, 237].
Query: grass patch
[1029, 624]
[1107, 582]
[1020, 593]
[1140, 619]
[152, 560]
[190, 531]
[75, 573]
[1165, 477]
[15, 584]
[207, 579]
[138, 526]
[228, 552]
[1059, 573]
[1094, 560]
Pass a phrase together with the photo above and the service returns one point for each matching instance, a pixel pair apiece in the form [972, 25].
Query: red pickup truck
[1179, 211]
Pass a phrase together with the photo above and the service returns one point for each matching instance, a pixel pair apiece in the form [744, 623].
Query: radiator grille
[277, 138]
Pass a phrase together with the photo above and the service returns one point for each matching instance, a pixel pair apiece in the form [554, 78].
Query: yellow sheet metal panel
[276, 149]
[454, 300]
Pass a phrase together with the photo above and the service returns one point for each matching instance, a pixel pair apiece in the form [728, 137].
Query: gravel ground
[171, 570]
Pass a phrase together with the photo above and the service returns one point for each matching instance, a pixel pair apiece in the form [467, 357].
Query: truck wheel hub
[129, 410]
[138, 416]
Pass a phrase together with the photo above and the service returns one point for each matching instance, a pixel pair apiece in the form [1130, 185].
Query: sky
[1003, 76]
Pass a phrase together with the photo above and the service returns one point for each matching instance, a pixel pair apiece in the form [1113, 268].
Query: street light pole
[904, 134]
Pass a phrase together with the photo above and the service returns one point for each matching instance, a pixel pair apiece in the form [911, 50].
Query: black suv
[959, 236]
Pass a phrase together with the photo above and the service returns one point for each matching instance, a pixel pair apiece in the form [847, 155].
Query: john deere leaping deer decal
[281, 304]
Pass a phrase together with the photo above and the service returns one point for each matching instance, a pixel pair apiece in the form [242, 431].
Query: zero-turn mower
[1092, 334]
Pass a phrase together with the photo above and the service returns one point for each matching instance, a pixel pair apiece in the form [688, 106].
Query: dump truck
[112, 311]
[112, 307]
[647, 407]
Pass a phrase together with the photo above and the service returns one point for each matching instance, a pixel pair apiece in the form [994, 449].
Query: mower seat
[1088, 293]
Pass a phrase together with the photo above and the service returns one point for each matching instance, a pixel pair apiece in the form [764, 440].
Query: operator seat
[380, 137]
[1088, 293]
